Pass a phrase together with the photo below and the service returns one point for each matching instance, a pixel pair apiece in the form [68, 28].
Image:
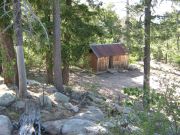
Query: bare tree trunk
[0, 68]
[67, 37]
[178, 34]
[146, 84]
[0, 60]
[49, 52]
[49, 67]
[57, 46]
[167, 48]
[19, 48]
[66, 74]
[178, 42]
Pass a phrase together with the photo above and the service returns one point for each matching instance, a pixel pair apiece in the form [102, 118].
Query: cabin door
[111, 62]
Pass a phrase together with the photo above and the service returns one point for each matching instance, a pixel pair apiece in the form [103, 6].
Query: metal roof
[104, 50]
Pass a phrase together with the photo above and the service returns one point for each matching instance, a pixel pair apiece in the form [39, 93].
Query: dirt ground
[112, 84]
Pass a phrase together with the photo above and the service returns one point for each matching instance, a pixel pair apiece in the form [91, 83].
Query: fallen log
[29, 121]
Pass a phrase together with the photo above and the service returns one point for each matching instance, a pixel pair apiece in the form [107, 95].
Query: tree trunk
[30, 120]
[178, 42]
[67, 37]
[49, 56]
[0, 68]
[49, 67]
[127, 26]
[146, 84]
[19, 48]
[66, 74]
[160, 55]
[49, 52]
[178, 34]
[167, 48]
[57, 46]
[8, 58]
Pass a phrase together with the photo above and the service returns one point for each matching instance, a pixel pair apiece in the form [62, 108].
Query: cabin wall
[102, 64]
[93, 61]
[120, 61]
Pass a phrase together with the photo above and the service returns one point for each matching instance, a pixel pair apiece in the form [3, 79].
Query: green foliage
[8, 65]
[77, 30]
[33, 60]
[91, 87]
[111, 24]
[164, 35]
[164, 114]
[154, 122]
[133, 92]
[177, 60]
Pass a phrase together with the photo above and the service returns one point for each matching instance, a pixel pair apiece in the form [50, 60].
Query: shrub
[164, 114]
[177, 60]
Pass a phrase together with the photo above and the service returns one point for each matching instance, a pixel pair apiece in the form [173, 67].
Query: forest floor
[110, 84]
[99, 90]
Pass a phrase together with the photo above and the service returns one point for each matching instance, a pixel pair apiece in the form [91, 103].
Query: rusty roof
[109, 49]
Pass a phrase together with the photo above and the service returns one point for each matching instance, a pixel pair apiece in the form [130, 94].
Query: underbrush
[177, 60]
[162, 118]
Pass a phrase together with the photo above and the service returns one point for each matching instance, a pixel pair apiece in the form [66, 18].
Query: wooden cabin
[103, 57]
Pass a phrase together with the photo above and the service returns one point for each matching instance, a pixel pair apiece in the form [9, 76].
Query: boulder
[93, 113]
[74, 127]
[95, 98]
[5, 125]
[53, 127]
[61, 107]
[19, 105]
[55, 114]
[133, 67]
[2, 108]
[6, 98]
[71, 107]
[131, 129]
[51, 89]
[112, 71]
[122, 71]
[14, 88]
[59, 97]
[76, 95]
[45, 101]
[1, 79]
[138, 105]
[121, 109]
[135, 129]
[33, 82]
[3, 87]
[127, 110]
[108, 124]
[82, 127]
[156, 134]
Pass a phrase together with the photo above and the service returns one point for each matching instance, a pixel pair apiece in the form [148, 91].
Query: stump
[29, 121]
